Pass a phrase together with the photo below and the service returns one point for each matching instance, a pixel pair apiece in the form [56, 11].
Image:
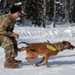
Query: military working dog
[44, 49]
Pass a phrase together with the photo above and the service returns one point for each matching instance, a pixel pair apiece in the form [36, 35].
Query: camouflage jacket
[7, 24]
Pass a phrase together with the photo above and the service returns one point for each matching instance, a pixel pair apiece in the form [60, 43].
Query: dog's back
[41, 48]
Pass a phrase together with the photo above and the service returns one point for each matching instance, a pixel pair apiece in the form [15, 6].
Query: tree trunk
[54, 18]
[5, 3]
[44, 13]
[71, 11]
[65, 10]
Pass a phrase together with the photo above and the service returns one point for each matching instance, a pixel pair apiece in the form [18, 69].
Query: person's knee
[7, 42]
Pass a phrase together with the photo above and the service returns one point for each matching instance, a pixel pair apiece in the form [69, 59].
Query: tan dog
[45, 49]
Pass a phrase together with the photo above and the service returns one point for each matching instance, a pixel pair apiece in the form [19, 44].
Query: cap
[15, 9]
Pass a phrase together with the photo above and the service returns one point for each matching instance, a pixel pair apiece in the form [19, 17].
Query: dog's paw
[36, 65]
[48, 66]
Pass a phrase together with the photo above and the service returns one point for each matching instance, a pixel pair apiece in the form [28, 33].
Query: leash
[25, 43]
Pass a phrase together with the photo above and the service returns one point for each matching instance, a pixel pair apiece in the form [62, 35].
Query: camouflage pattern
[7, 41]
[6, 24]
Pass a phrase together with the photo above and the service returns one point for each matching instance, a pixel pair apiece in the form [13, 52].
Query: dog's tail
[23, 48]
[25, 43]
[26, 49]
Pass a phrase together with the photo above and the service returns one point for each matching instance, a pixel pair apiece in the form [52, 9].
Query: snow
[61, 64]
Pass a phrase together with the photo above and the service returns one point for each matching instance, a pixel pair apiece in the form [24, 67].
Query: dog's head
[67, 45]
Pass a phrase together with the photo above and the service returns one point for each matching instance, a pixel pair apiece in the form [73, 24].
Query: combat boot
[10, 64]
[16, 61]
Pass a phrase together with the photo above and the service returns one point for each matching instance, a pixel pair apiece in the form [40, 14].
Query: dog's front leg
[29, 61]
[42, 60]
[46, 62]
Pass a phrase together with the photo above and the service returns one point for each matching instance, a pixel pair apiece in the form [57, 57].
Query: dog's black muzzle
[72, 47]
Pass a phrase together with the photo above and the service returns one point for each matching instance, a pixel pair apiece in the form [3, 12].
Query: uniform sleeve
[10, 34]
[3, 27]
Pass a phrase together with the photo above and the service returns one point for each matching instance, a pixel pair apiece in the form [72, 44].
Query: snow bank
[33, 34]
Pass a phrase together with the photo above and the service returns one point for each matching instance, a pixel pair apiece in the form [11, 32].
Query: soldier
[7, 37]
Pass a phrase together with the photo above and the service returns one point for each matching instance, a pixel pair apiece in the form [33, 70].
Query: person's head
[15, 11]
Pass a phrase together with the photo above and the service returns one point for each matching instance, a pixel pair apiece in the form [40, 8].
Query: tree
[49, 10]
[72, 11]
[44, 13]
[54, 18]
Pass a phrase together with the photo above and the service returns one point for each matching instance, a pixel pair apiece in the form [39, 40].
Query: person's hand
[15, 35]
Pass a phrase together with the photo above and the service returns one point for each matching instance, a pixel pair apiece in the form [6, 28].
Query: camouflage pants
[10, 46]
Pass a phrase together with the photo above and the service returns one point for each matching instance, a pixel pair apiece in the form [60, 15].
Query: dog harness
[50, 47]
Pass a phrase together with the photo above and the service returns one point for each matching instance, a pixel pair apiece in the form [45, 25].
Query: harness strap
[51, 47]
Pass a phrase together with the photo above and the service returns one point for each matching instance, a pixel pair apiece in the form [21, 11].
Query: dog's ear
[64, 42]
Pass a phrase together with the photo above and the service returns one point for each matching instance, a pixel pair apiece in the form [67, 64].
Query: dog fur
[35, 49]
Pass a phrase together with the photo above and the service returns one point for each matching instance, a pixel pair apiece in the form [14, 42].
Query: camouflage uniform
[7, 41]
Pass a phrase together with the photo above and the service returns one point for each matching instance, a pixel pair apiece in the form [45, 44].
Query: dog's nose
[72, 46]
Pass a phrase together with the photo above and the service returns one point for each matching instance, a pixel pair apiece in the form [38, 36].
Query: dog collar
[51, 47]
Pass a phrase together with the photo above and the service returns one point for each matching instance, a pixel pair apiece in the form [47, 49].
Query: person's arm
[3, 27]
[13, 34]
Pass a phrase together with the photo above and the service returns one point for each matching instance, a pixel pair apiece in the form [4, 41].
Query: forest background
[39, 12]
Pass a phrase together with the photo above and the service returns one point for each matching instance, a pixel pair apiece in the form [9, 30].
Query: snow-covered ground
[61, 64]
